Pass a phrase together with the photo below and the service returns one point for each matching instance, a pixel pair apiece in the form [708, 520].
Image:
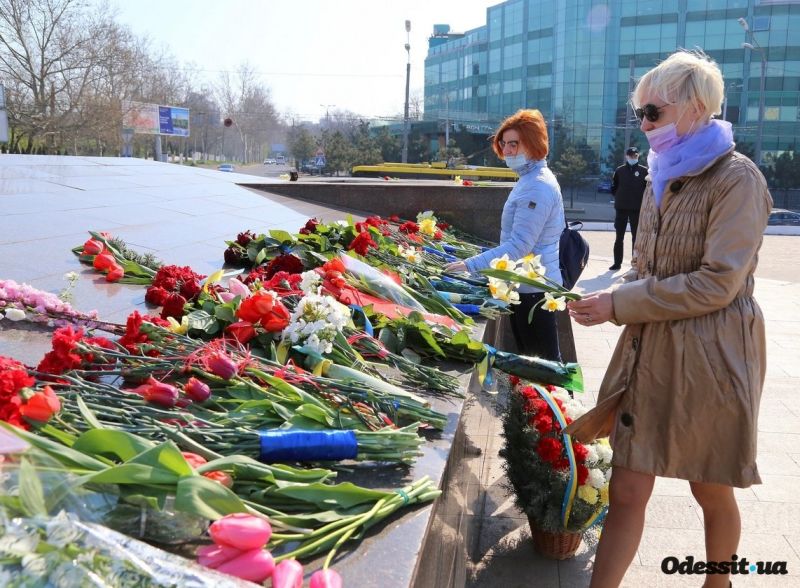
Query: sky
[315, 56]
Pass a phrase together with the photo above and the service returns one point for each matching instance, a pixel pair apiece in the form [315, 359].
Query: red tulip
[115, 273]
[221, 365]
[255, 565]
[92, 247]
[221, 477]
[241, 530]
[326, 578]
[41, 406]
[160, 393]
[288, 574]
[197, 390]
[104, 261]
[194, 460]
[241, 331]
[215, 555]
[276, 319]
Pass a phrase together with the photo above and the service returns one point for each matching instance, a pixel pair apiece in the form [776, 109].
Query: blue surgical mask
[632, 161]
[516, 162]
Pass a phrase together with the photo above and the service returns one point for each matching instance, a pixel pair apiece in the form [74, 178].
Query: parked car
[779, 216]
[226, 167]
[604, 186]
[270, 161]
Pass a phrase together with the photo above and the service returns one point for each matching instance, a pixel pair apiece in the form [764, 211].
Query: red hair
[532, 133]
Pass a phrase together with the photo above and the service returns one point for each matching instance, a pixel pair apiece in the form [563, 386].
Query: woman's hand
[593, 309]
[455, 267]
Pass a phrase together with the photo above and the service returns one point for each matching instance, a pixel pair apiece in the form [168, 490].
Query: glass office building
[577, 60]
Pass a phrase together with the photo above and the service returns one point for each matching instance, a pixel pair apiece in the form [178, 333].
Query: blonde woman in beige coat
[680, 398]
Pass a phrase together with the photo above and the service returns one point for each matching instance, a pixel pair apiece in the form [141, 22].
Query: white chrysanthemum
[604, 452]
[503, 263]
[591, 455]
[608, 474]
[597, 478]
[310, 281]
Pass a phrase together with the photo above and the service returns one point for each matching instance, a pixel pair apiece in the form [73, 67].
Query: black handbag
[573, 253]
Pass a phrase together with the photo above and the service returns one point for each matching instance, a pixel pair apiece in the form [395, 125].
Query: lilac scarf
[692, 154]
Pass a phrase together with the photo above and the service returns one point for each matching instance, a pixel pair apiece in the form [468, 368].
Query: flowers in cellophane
[315, 322]
[539, 470]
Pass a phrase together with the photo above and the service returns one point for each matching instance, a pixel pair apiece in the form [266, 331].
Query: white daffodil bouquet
[505, 275]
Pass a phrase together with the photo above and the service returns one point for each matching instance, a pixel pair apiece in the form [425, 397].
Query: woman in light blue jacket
[532, 221]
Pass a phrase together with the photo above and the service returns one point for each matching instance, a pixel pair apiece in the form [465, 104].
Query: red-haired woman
[532, 221]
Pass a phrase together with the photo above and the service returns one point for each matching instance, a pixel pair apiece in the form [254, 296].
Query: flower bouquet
[560, 484]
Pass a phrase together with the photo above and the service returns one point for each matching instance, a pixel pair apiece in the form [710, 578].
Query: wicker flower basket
[554, 545]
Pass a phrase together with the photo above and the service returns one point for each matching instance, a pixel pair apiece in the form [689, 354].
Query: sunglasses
[512, 144]
[648, 111]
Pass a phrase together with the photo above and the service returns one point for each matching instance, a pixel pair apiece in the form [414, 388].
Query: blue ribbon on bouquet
[367, 324]
[442, 254]
[449, 248]
[472, 309]
[484, 366]
[297, 445]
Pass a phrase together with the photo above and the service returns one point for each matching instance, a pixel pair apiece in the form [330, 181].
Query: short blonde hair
[685, 78]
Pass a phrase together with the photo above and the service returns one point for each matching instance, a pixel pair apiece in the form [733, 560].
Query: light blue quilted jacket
[532, 221]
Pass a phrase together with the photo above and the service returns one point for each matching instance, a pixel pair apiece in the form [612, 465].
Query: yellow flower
[410, 254]
[553, 304]
[427, 226]
[179, 328]
[588, 494]
[604, 494]
[503, 263]
[503, 291]
[457, 180]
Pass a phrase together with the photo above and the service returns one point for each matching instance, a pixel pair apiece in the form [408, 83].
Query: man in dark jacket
[628, 189]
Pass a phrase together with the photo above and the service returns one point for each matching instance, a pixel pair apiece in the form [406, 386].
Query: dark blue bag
[573, 253]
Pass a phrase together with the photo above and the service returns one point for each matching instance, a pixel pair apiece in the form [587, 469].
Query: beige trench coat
[682, 391]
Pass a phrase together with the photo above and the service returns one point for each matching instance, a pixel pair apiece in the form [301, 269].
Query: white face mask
[516, 162]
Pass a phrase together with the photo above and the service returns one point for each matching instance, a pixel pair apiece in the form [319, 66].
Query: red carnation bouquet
[20, 403]
[560, 484]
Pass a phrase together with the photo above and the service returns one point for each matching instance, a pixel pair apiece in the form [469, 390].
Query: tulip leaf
[282, 236]
[315, 413]
[206, 498]
[66, 455]
[132, 473]
[88, 415]
[344, 495]
[108, 442]
[225, 312]
[166, 457]
[31, 492]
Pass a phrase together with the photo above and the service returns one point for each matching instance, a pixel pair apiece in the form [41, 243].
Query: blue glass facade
[572, 59]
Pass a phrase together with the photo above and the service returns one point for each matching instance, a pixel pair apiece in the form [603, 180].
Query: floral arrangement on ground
[560, 484]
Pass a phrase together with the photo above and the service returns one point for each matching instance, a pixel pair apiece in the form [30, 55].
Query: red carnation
[549, 449]
[244, 238]
[284, 263]
[156, 295]
[173, 306]
[362, 243]
[583, 474]
[543, 423]
[394, 218]
[581, 453]
[409, 227]
[284, 282]
[191, 289]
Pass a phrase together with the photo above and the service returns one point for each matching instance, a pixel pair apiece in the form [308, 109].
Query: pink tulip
[288, 574]
[213, 556]
[238, 288]
[241, 530]
[197, 390]
[221, 365]
[226, 296]
[255, 565]
[326, 578]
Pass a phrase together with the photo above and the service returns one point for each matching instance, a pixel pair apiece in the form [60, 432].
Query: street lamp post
[754, 46]
[408, 79]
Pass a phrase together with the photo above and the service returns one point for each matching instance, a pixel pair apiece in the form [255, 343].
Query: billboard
[154, 119]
